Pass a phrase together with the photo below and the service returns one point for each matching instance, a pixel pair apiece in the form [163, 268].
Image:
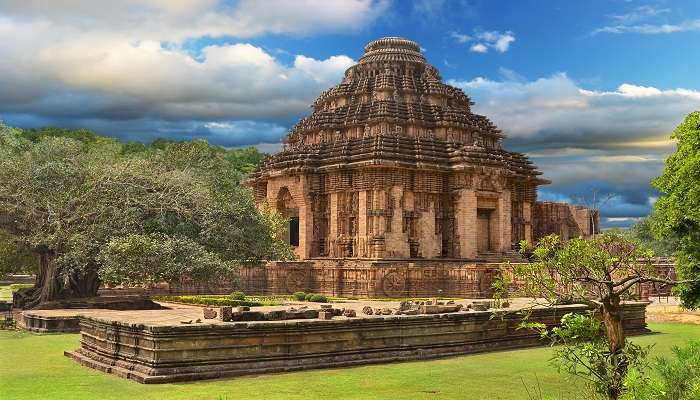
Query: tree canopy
[93, 209]
[678, 209]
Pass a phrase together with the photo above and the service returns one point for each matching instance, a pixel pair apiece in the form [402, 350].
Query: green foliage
[216, 301]
[599, 273]
[308, 296]
[319, 298]
[580, 270]
[221, 300]
[582, 350]
[16, 258]
[501, 287]
[89, 205]
[17, 286]
[299, 296]
[642, 233]
[237, 296]
[676, 379]
[678, 209]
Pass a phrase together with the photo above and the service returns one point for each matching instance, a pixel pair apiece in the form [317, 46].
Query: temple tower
[392, 164]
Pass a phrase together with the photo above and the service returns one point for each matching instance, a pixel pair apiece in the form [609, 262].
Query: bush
[308, 296]
[237, 296]
[319, 298]
[299, 296]
[208, 301]
[17, 286]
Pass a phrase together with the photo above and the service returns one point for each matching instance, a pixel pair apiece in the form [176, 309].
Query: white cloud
[652, 29]
[583, 139]
[479, 48]
[174, 21]
[460, 37]
[640, 13]
[557, 104]
[485, 40]
[103, 60]
[323, 70]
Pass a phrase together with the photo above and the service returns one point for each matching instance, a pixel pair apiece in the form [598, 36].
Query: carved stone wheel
[394, 285]
[296, 281]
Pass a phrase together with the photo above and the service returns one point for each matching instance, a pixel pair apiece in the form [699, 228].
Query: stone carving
[394, 285]
[296, 281]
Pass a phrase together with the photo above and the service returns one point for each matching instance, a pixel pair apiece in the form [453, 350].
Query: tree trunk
[51, 286]
[612, 319]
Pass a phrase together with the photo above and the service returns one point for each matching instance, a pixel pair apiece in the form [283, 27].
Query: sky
[590, 90]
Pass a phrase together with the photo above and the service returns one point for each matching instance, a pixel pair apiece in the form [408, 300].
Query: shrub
[308, 296]
[299, 296]
[17, 286]
[237, 296]
[319, 298]
[208, 301]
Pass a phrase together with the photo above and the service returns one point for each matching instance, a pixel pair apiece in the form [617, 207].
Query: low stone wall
[157, 354]
[49, 324]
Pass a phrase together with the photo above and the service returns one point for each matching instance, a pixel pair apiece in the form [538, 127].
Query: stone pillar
[396, 241]
[361, 250]
[430, 243]
[527, 221]
[503, 213]
[465, 218]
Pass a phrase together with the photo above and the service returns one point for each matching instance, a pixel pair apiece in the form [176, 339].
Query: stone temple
[394, 187]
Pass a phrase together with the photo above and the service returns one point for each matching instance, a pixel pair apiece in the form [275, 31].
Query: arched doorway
[289, 209]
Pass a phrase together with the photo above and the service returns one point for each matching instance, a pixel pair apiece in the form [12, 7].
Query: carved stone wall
[566, 220]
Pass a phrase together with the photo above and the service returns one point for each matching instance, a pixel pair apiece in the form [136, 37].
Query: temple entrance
[294, 231]
[288, 209]
[483, 230]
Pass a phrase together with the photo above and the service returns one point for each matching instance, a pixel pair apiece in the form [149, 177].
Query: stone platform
[157, 348]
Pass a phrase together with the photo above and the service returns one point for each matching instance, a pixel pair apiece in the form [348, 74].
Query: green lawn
[33, 367]
[5, 293]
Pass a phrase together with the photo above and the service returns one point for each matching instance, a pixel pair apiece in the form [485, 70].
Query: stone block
[367, 310]
[325, 315]
[209, 313]
[225, 313]
[277, 315]
[350, 313]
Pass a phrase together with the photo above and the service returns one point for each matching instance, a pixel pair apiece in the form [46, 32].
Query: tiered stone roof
[392, 109]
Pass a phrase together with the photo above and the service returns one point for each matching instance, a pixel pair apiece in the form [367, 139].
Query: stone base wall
[158, 354]
[369, 278]
[52, 324]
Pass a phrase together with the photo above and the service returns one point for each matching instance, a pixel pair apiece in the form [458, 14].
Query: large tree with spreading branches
[96, 211]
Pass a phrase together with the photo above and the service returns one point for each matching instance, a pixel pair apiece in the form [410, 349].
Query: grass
[5, 293]
[33, 367]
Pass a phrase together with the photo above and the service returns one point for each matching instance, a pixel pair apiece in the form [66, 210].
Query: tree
[678, 208]
[92, 212]
[642, 233]
[599, 273]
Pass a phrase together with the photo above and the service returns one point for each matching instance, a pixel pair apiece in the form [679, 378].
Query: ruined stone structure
[395, 181]
[566, 220]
